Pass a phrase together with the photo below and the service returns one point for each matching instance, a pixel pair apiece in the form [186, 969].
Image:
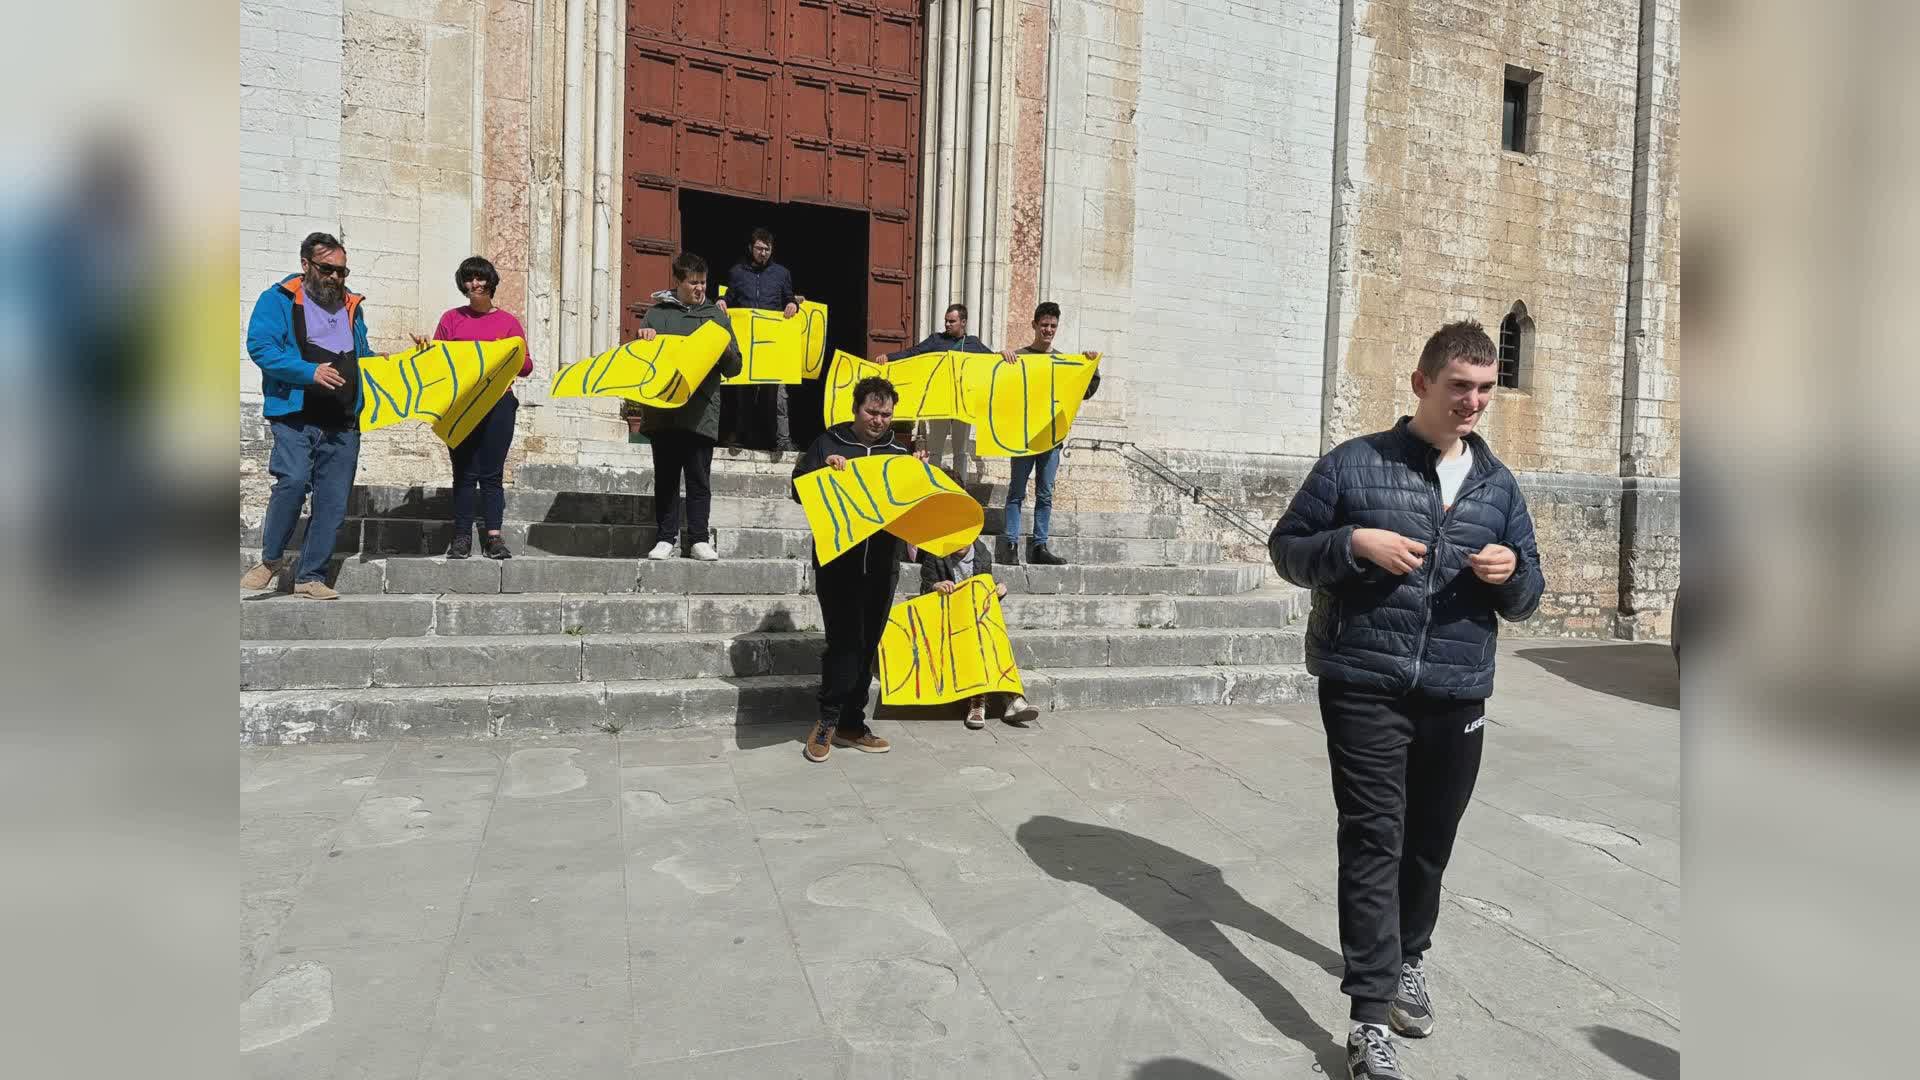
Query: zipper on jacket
[1433, 560]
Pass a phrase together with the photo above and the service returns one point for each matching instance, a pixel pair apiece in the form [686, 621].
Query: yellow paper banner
[662, 373]
[776, 349]
[449, 384]
[1016, 409]
[1026, 407]
[939, 648]
[912, 499]
[836, 405]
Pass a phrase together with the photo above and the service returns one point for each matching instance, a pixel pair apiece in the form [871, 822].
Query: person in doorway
[753, 415]
[856, 589]
[480, 461]
[1044, 466]
[308, 333]
[1413, 541]
[938, 434]
[683, 438]
[942, 574]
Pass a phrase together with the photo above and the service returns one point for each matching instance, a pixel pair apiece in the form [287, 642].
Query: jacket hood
[665, 298]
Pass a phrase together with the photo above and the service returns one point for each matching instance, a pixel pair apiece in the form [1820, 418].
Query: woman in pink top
[479, 461]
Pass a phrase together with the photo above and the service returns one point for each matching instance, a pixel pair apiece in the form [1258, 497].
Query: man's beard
[324, 291]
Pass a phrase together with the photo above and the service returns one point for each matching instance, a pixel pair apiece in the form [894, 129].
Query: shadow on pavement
[1177, 1069]
[1644, 1056]
[1188, 900]
[1642, 671]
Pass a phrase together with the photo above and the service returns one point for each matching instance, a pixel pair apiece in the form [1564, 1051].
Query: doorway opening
[824, 247]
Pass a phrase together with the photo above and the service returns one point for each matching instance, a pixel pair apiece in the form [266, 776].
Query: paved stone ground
[1143, 894]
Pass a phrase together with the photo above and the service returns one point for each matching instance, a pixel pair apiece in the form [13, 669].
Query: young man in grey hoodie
[683, 438]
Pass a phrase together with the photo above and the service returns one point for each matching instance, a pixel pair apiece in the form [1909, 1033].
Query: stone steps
[775, 510]
[378, 615]
[377, 536]
[548, 574]
[278, 716]
[566, 658]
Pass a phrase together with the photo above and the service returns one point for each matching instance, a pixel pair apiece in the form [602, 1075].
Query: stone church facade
[1256, 211]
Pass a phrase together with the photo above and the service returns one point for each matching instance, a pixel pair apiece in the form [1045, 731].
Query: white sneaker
[662, 550]
[705, 553]
[1020, 711]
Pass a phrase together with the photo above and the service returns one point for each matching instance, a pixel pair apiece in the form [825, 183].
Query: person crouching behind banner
[941, 574]
[480, 461]
[683, 438]
[856, 589]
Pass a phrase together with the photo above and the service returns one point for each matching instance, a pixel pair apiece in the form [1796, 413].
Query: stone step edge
[714, 703]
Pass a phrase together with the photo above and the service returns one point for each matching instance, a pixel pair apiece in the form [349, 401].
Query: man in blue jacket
[759, 412]
[307, 334]
[1413, 540]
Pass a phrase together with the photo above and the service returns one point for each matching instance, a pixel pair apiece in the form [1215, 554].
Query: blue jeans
[1047, 465]
[308, 456]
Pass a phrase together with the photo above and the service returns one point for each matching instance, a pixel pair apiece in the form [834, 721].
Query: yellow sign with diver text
[775, 349]
[1028, 406]
[938, 647]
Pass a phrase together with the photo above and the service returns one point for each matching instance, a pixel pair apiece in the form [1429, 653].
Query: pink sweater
[463, 324]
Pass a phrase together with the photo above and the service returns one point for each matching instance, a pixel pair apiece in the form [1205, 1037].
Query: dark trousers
[677, 455]
[478, 465]
[754, 416]
[308, 456]
[1403, 771]
[856, 592]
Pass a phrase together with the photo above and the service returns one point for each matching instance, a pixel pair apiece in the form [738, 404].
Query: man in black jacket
[856, 589]
[1413, 540]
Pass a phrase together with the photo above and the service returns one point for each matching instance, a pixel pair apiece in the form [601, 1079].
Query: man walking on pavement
[953, 338]
[856, 589]
[758, 282]
[308, 333]
[1044, 466]
[1413, 541]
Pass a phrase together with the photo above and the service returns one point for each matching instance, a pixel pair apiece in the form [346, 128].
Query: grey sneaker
[1411, 1012]
[1371, 1056]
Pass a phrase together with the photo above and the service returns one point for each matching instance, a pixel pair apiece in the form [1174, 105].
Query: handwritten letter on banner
[662, 373]
[449, 384]
[776, 349]
[912, 499]
[1016, 409]
[942, 648]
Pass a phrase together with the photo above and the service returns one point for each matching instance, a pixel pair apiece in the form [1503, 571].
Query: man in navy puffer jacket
[1413, 540]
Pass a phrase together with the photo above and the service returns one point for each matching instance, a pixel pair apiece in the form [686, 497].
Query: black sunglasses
[334, 269]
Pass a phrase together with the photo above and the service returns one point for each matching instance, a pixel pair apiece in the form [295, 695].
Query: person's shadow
[1189, 901]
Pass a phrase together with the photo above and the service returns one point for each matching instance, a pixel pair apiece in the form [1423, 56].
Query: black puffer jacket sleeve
[1517, 597]
[815, 458]
[1309, 547]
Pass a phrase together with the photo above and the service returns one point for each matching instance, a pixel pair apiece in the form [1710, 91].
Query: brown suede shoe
[261, 576]
[819, 743]
[315, 590]
[868, 741]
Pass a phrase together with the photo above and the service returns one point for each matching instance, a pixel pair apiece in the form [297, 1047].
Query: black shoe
[461, 548]
[1371, 1055]
[1411, 1012]
[1010, 553]
[495, 548]
[1038, 555]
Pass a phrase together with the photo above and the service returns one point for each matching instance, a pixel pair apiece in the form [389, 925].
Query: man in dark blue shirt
[758, 412]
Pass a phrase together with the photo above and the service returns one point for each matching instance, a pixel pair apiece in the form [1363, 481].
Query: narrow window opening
[1516, 347]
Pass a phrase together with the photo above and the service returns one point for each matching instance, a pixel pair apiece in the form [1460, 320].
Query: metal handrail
[1165, 473]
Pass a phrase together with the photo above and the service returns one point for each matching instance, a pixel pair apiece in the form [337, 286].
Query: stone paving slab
[1144, 894]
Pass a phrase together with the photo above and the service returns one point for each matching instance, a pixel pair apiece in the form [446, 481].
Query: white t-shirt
[1453, 474]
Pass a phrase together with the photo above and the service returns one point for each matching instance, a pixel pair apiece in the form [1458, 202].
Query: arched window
[1516, 346]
